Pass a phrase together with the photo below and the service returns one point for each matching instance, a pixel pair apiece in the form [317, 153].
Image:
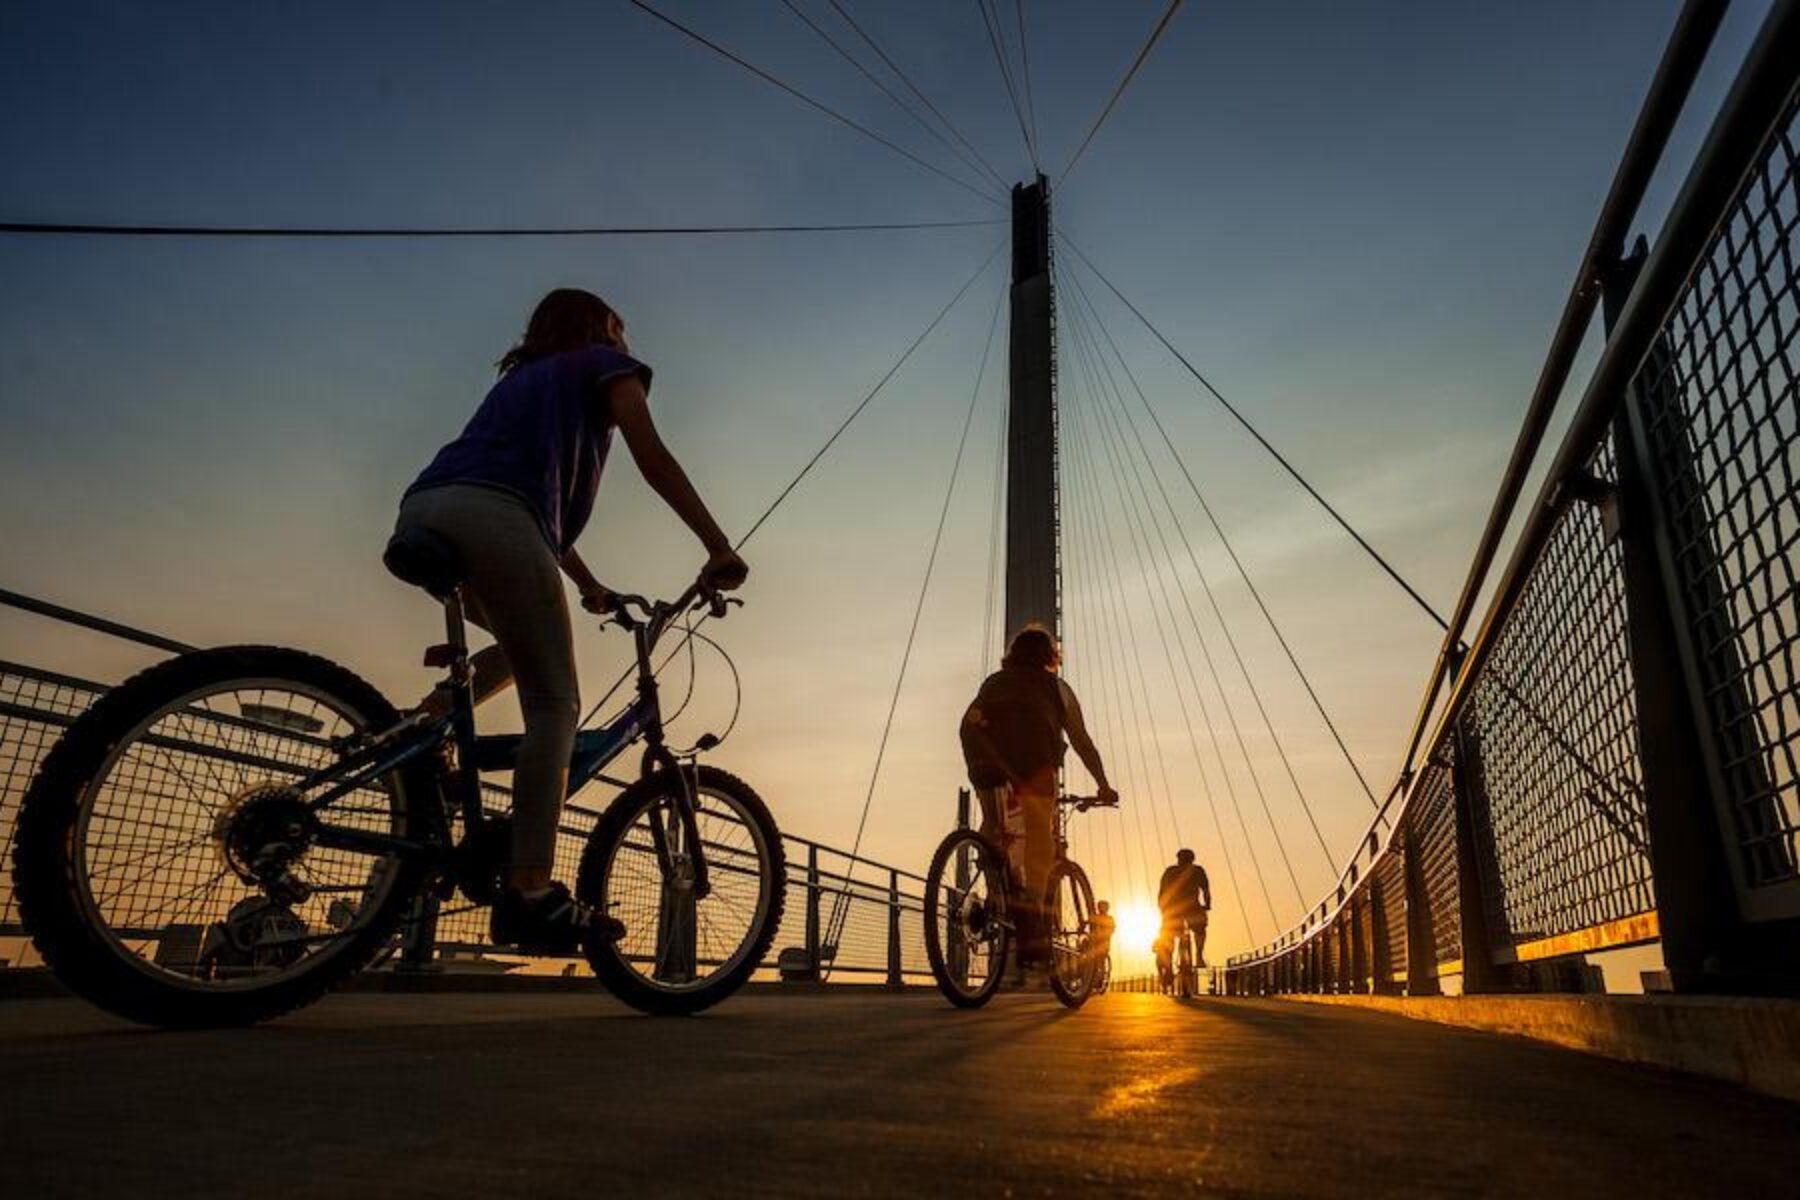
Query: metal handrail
[1682, 58]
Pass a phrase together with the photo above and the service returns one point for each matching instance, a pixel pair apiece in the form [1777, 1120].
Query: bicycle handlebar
[658, 613]
[1083, 803]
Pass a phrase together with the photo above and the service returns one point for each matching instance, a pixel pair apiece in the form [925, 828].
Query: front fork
[687, 807]
[658, 757]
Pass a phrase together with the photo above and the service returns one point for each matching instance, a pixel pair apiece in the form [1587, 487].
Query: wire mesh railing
[1628, 716]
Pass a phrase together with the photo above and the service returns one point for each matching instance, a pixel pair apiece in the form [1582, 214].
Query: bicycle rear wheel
[683, 952]
[167, 863]
[968, 923]
[1069, 922]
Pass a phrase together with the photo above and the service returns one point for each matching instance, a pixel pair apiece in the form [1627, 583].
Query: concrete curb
[1751, 1042]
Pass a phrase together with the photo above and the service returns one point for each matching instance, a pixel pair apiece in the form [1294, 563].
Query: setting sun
[1138, 925]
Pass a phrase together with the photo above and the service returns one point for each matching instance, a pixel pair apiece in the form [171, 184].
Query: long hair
[1032, 646]
[566, 319]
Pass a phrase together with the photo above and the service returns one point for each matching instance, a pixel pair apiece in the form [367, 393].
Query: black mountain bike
[971, 924]
[228, 835]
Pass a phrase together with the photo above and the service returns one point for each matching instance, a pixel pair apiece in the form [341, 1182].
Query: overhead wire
[1113, 100]
[937, 539]
[869, 40]
[1123, 418]
[1225, 541]
[66, 228]
[962, 155]
[1264, 442]
[795, 92]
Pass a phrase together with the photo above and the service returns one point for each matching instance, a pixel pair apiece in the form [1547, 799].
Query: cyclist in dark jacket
[1185, 897]
[1012, 737]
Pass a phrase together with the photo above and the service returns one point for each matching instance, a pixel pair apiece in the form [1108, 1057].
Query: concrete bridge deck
[838, 1094]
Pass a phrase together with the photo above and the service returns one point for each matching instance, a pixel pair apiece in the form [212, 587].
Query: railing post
[1708, 944]
[1381, 946]
[1421, 946]
[1474, 846]
[418, 948]
[895, 976]
[812, 909]
[1360, 976]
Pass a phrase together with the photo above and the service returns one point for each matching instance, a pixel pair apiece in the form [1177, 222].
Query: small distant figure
[1012, 740]
[1104, 925]
[1185, 897]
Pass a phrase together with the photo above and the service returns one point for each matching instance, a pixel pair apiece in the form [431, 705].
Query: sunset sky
[1359, 220]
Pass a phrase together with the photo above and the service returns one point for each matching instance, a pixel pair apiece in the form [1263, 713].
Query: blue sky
[1359, 219]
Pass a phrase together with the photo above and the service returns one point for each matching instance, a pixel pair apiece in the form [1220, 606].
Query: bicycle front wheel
[968, 925]
[684, 951]
[1069, 922]
[169, 864]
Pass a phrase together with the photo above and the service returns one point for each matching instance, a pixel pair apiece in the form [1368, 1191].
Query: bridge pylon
[1033, 560]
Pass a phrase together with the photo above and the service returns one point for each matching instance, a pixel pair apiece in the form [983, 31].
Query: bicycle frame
[594, 749]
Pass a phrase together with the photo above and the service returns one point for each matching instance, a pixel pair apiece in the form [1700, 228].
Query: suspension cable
[1105, 695]
[1131, 519]
[795, 92]
[331, 231]
[1111, 615]
[995, 527]
[1206, 585]
[914, 88]
[991, 20]
[1025, 62]
[1124, 636]
[864, 403]
[1218, 529]
[961, 155]
[1113, 100]
[1219, 751]
[839, 910]
[1264, 442]
[1199, 763]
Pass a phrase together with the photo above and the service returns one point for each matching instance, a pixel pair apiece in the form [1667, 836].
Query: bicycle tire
[611, 962]
[49, 863]
[1072, 981]
[993, 926]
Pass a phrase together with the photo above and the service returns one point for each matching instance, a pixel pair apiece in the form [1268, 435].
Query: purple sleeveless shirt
[541, 434]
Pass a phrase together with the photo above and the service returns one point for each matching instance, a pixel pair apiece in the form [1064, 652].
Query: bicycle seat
[423, 559]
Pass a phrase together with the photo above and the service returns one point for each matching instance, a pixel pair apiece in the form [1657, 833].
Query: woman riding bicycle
[1012, 736]
[510, 495]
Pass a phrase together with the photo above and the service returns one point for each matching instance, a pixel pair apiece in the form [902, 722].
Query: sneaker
[553, 923]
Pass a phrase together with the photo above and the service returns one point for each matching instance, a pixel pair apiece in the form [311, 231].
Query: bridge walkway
[845, 1094]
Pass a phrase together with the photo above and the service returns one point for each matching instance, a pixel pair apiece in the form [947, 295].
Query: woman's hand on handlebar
[599, 600]
[724, 571]
[1107, 798]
